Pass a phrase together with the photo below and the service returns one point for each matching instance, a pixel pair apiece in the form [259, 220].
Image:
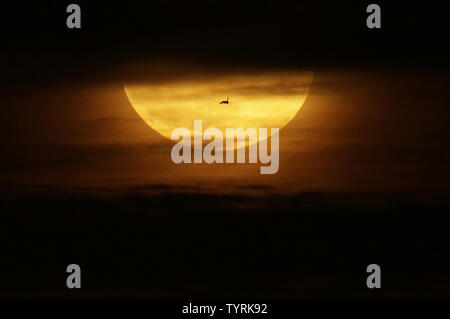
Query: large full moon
[257, 100]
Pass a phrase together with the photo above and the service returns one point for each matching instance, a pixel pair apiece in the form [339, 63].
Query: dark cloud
[319, 34]
[257, 187]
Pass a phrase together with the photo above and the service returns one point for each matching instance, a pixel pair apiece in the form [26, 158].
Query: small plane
[225, 102]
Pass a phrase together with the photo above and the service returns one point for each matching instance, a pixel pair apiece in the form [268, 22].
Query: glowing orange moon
[265, 100]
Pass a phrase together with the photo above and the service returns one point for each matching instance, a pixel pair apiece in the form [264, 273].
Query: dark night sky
[38, 46]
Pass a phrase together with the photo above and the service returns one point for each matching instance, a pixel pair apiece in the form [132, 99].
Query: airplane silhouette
[225, 102]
